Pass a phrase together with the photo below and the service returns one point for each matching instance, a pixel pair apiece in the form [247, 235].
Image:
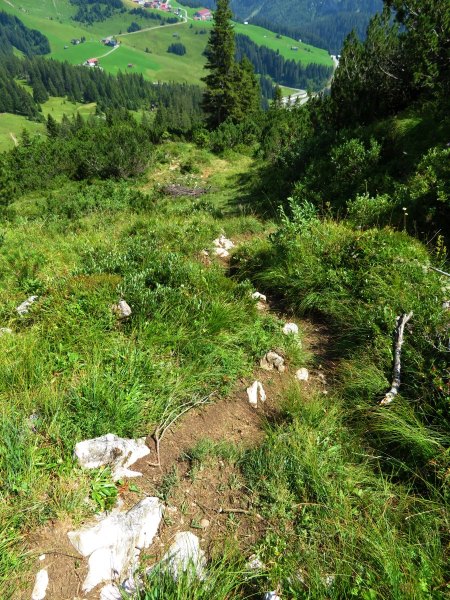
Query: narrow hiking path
[14, 139]
[203, 492]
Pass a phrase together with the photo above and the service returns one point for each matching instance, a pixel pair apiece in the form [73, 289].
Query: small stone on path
[290, 328]
[255, 393]
[23, 308]
[271, 361]
[302, 374]
[40, 586]
[113, 451]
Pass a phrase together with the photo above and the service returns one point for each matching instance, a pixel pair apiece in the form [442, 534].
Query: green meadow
[54, 20]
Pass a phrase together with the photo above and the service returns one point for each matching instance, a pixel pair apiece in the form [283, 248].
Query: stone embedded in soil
[113, 451]
[255, 563]
[255, 393]
[302, 374]
[271, 361]
[122, 309]
[40, 585]
[290, 329]
[110, 592]
[23, 308]
[258, 296]
[221, 252]
[223, 242]
[184, 556]
[204, 523]
[271, 596]
[114, 542]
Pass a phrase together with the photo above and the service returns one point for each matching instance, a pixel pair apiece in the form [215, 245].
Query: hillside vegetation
[322, 23]
[337, 485]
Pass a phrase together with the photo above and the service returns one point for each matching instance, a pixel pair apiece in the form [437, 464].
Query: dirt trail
[214, 491]
[209, 499]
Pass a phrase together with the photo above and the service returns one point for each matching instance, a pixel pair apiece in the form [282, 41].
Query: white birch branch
[401, 322]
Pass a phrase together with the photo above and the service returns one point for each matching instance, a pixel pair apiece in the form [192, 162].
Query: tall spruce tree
[232, 91]
[220, 95]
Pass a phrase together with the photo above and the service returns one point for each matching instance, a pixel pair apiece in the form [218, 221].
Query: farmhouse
[203, 15]
[91, 62]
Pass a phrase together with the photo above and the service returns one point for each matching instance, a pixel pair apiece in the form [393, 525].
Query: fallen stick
[439, 271]
[169, 420]
[401, 322]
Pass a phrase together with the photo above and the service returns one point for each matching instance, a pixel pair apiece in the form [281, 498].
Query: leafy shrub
[365, 211]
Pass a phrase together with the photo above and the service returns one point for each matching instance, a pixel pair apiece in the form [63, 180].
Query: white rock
[271, 596]
[223, 242]
[22, 309]
[271, 361]
[185, 554]
[5, 331]
[123, 309]
[114, 542]
[221, 252]
[42, 557]
[255, 563]
[446, 305]
[328, 580]
[258, 296]
[302, 374]
[256, 392]
[113, 451]
[204, 253]
[40, 586]
[290, 328]
[110, 592]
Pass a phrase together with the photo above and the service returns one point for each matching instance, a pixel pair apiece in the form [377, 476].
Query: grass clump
[336, 526]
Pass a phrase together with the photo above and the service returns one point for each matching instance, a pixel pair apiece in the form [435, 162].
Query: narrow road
[182, 22]
[14, 139]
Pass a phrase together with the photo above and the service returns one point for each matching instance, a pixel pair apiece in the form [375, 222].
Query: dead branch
[169, 419]
[439, 271]
[401, 322]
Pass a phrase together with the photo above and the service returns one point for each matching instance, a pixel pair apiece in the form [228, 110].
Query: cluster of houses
[160, 5]
[110, 41]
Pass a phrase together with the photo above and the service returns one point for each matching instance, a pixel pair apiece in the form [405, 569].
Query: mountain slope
[324, 23]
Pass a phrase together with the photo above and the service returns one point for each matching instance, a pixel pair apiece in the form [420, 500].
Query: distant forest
[324, 24]
[286, 72]
[90, 11]
[14, 34]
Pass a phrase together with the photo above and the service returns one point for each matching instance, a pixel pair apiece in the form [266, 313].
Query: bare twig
[401, 322]
[169, 419]
[242, 511]
[439, 271]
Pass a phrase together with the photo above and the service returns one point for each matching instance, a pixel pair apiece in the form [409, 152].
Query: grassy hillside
[54, 20]
[57, 107]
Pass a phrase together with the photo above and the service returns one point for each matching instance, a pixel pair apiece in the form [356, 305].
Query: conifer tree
[220, 99]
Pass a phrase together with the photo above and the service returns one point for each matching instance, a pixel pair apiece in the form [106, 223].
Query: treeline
[286, 72]
[14, 34]
[78, 84]
[91, 11]
[146, 14]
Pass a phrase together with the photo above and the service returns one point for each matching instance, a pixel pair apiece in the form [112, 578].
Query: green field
[11, 126]
[53, 18]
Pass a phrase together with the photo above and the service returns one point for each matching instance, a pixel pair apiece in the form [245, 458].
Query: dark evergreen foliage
[286, 72]
[79, 84]
[13, 33]
[177, 48]
[90, 11]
